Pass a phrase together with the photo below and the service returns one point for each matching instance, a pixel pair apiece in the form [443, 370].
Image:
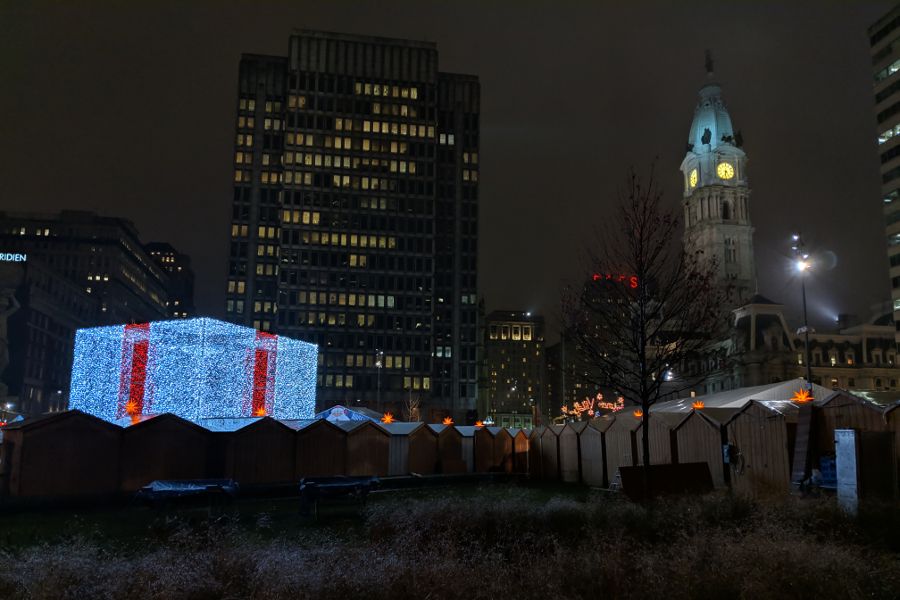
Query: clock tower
[716, 191]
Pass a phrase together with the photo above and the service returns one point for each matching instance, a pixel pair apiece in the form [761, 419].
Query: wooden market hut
[534, 452]
[503, 449]
[368, 448]
[520, 450]
[892, 423]
[843, 410]
[164, 447]
[621, 444]
[760, 461]
[263, 452]
[550, 452]
[63, 454]
[468, 445]
[570, 452]
[484, 450]
[698, 438]
[593, 451]
[413, 449]
[661, 441]
[321, 450]
[450, 451]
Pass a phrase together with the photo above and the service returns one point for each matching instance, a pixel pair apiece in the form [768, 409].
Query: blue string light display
[194, 368]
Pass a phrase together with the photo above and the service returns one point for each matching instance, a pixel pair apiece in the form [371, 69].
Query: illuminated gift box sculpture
[194, 368]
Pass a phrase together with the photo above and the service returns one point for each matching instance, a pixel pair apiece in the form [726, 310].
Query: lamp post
[379, 362]
[802, 265]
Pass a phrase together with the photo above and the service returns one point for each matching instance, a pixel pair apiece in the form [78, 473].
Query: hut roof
[553, 430]
[494, 431]
[701, 414]
[602, 423]
[886, 398]
[342, 413]
[860, 399]
[467, 430]
[513, 431]
[721, 406]
[402, 428]
[227, 424]
[785, 408]
[296, 424]
[159, 419]
[318, 423]
[357, 426]
[576, 426]
[49, 418]
[129, 421]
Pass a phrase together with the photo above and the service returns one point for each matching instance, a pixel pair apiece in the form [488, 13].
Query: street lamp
[802, 264]
[379, 361]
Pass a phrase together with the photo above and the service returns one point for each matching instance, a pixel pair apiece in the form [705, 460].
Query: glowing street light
[803, 265]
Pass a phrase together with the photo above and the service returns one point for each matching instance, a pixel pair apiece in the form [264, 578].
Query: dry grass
[498, 542]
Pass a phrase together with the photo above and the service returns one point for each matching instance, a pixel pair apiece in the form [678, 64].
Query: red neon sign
[630, 280]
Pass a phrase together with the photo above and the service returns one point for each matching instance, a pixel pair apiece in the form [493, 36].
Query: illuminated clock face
[725, 170]
[693, 178]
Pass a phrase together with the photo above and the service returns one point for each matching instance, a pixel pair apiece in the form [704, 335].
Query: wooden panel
[698, 440]
[591, 444]
[263, 453]
[549, 455]
[164, 447]
[534, 455]
[72, 454]
[484, 450]
[423, 451]
[503, 452]
[660, 443]
[568, 456]
[367, 451]
[760, 436]
[620, 446]
[520, 453]
[321, 451]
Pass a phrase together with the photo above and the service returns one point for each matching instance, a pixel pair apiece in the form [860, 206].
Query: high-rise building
[355, 217]
[180, 288]
[39, 314]
[716, 191]
[59, 273]
[514, 353]
[884, 38]
[102, 254]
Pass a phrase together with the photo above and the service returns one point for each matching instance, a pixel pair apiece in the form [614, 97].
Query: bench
[315, 489]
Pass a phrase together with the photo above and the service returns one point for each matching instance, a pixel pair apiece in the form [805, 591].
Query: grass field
[468, 541]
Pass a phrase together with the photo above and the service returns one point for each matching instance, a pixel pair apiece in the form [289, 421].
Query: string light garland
[194, 368]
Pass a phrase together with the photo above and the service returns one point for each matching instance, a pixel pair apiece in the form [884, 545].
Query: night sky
[130, 112]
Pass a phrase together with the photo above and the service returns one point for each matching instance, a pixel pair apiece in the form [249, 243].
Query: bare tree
[648, 307]
[412, 408]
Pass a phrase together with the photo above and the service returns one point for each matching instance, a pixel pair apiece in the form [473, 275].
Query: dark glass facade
[355, 219]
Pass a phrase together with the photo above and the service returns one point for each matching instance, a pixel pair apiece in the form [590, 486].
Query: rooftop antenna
[709, 64]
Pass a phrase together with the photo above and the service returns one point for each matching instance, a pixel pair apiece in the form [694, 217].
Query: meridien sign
[13, 257]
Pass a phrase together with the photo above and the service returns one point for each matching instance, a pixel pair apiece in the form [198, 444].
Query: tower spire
[709, 63]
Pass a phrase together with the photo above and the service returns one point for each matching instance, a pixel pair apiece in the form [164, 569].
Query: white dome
[711, 115]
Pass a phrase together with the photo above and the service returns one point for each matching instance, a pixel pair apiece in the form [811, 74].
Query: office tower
[180, 287]
[514, 352]
[354, 219]
[59, 273]
[884, 38]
